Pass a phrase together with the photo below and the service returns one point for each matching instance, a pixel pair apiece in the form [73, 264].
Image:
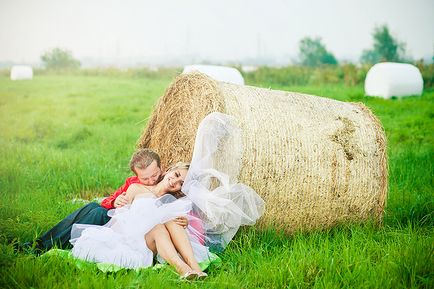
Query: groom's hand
[182, 221]
[121, 200]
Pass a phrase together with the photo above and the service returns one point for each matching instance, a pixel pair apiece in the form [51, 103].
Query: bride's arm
[134, 190]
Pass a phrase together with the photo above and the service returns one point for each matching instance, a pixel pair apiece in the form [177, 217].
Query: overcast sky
[223, 30]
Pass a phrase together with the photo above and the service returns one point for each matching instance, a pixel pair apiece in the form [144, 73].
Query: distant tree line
[313, 53]
[59, 59]
[386, 48]
[317, 65]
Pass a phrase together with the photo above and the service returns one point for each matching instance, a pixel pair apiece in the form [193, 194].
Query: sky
[133, 32]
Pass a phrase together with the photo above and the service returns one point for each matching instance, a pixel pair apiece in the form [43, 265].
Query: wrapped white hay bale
[219, 73]
[21, 72]
[393, 79]
[315, 161]
[249, 68]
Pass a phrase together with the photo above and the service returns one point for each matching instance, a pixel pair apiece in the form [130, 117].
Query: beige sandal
[201, 275]
[190, 275]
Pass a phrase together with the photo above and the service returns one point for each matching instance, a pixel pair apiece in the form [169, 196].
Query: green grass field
[71, 136]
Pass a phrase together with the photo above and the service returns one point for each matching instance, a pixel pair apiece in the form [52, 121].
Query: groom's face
[150, 175]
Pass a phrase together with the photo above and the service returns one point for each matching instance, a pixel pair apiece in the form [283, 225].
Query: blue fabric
[60, 234]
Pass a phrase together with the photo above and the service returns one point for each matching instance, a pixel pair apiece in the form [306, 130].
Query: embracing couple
[179, 215]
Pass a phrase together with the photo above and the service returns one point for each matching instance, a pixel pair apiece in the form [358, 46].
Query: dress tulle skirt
[121, 241]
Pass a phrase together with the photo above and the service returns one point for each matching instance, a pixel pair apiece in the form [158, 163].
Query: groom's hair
[142, 158]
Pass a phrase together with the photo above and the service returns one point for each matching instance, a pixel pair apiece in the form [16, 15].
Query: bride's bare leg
[158, 240]
[182, 244]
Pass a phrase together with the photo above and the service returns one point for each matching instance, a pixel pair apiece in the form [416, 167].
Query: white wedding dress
[215, 204]
[121, 241]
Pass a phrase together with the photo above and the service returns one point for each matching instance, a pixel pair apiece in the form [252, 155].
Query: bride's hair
[178, 165]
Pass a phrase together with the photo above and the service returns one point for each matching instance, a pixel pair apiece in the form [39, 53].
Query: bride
[181, 231]
[151, 216]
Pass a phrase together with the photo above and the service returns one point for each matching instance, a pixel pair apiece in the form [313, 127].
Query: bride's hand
[182, 221]
[121, 200]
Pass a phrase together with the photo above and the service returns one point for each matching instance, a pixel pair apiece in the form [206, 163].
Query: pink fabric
[196, 223]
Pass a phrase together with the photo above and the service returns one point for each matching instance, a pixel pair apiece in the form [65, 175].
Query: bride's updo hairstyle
[178, 166]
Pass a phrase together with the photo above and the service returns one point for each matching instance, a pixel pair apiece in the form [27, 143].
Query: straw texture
[315, 161]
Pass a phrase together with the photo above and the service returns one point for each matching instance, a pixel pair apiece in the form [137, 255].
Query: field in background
[70, 136]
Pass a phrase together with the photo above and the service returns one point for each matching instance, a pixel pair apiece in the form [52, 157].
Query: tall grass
[69, 136]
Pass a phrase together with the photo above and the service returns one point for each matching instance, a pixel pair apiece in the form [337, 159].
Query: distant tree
[58, 59]
[312, 52]
[386, 47]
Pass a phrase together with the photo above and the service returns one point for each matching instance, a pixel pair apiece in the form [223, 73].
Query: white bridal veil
[220, 203]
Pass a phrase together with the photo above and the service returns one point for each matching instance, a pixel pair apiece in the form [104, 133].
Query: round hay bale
[315, 161]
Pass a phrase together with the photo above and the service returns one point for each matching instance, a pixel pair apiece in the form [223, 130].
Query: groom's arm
[108, 202]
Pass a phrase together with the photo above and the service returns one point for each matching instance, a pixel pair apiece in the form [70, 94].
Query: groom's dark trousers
[60, 234]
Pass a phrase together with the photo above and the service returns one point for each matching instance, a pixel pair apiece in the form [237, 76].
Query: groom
[146, 166]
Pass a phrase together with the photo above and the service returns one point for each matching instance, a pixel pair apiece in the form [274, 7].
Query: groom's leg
[96, 216]
[60, 234]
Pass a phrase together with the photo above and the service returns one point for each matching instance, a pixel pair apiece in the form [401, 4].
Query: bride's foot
[185, 272]
[189, 276]
[201, 275]
[193, 275]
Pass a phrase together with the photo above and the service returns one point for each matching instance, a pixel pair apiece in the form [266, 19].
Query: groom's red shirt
[109, 201]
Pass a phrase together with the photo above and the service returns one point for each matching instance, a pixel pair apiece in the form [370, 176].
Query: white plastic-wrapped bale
[249, 68]
[21, 72]
[393, 79]
[219, 73]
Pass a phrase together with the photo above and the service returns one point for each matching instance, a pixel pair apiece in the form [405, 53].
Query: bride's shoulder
[136, 190]
[144, 195]
[136, 186]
